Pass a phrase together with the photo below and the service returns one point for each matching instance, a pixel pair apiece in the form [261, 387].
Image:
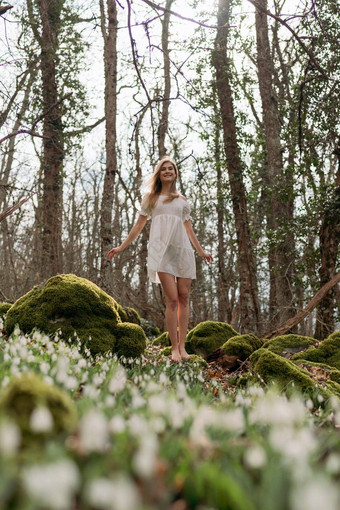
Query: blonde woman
[171, 260]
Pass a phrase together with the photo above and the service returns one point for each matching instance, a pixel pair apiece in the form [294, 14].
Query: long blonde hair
[155, 185]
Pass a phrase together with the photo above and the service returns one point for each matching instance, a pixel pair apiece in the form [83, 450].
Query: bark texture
[109, 26]
[53, 146]
[277, 183]
[164, 121]
[249, 306]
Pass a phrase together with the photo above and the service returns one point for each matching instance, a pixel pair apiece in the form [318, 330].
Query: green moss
[130, 340]
[208, 336]
[327, 352]
[163, 339]
[4, 307]
[166, 351]
[194, 358]
[242, 346]
[19, 399]
[289, 343]
[132, 315]
[329, 371]
[72, 305]
[273, 368]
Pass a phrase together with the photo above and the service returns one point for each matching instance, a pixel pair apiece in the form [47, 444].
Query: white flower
[52, 485]
[117, 494]
[255, 457]
[10, 438]
[144, 461]
[118, 381]
[117, 424]
[315, 494]
[93, 432]
[41, 420]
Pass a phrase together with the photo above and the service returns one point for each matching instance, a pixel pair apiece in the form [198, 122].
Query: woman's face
[167, 172]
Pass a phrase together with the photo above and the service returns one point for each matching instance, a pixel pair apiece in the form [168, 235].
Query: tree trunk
[109, 31]
[277, 183]
[329, 249]
[249, 305]
[53, 146]
[163, 125]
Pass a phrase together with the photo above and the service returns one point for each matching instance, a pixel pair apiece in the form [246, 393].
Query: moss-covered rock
[327, 352]
[194, 358]
[289, 343]
[150, 329]
[208, 336]
[320, 370]
[166, 351]
[163, 339]
[274, 368]
[130, 340]
[131, 315]
[4, 307]
[74, 305]
[242, 346]
[28, 392]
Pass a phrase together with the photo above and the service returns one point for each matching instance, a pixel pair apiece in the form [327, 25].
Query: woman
[171, 260]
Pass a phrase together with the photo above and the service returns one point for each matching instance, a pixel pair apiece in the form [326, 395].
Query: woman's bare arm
[134, 232]
[194, 241]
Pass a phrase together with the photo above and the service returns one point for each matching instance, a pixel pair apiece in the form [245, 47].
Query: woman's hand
[206, 256]
[114, 252]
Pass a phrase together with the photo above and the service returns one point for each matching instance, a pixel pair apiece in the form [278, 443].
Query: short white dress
[169, 250]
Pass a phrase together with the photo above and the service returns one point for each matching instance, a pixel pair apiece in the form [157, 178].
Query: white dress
[170, 250]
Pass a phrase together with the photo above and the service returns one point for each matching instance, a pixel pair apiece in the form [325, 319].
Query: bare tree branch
[5, 8]
[286, 326]
[296, 36]
[14, 207]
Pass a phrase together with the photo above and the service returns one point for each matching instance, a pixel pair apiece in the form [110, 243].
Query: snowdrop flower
[93, 432]
[315, 494]
[295, 445]
[144, 461]
[118, 381]
[233, 420]
[41, 420]
[163, 379]
[333, 464]
[52, 485]
[158, 404]
[71, 382]
[10, 438]
[255, 457]
[277, 410]
[117, 494]
[138, 426]
[82, 363]
[91, 391]
[110, 401]
[117, 424]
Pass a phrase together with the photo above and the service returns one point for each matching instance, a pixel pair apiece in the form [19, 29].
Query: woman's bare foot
[176, 356]
[184, 354]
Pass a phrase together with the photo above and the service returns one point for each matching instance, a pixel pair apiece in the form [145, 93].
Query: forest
[95, 411]
[243, 95]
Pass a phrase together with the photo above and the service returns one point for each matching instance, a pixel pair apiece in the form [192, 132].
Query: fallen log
[290, 323]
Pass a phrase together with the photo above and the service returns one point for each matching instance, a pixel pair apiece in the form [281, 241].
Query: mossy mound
[74, 305]
[274, 368]
[150, 329]
[194, 358]
[320, 370]
[130, 340]
[289, 343]
[327, 352]
[4, 307]
[128, 314]
[242, 346]
[166, 351]
[208, 336]
[163, 339]
[28, 392]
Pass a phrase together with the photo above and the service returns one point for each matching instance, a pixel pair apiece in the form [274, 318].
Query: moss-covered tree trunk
[277, 183]
[53, 146]
[249, 305]
[329, 253]
[109, 25]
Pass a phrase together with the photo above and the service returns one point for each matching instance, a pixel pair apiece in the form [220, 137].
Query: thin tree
[249, 305]
[109, 27]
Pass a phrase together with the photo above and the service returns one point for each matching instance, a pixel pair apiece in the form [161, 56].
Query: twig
[14, 207]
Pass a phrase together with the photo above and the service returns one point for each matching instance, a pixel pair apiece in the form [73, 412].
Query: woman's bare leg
[183, 288]
[171, 300]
